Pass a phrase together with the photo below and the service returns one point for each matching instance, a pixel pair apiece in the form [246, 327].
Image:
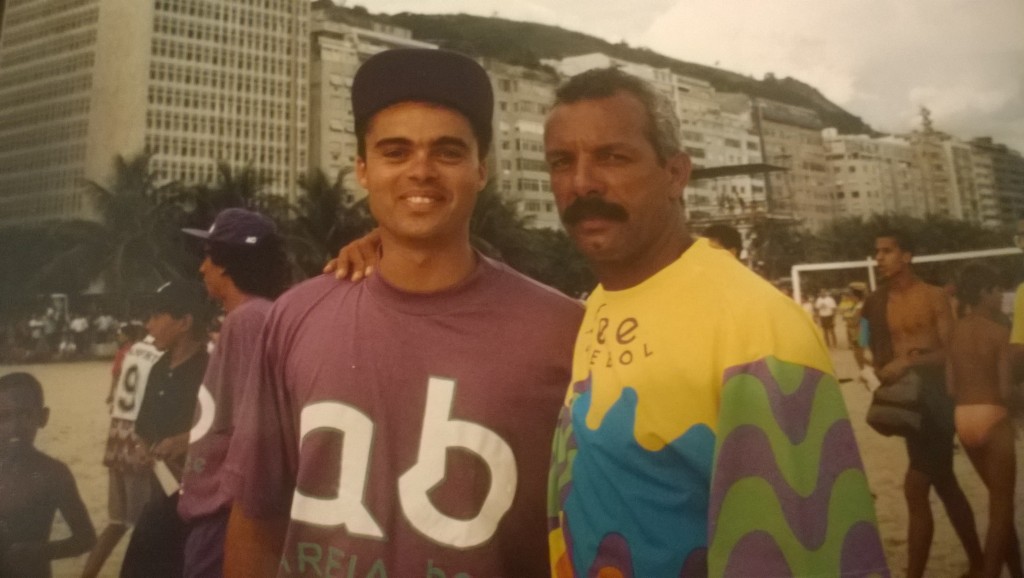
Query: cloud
[879, 59]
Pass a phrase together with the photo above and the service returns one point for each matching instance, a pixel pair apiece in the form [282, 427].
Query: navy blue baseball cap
[237, 227]
[178, 298]
[440, 77]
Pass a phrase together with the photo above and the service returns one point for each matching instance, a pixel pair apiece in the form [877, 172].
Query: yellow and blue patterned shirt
[705, 434]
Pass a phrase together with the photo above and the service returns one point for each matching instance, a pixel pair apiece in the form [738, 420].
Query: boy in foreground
[33, 487]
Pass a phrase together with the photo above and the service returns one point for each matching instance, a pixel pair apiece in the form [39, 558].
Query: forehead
[620, 117]
[414, 117]
[13, 397]
[887, 243]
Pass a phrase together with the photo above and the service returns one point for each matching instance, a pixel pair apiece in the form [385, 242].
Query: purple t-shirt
[408, 434]
[203, 491]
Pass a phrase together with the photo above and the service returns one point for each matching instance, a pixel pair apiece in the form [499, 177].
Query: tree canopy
[137, 243]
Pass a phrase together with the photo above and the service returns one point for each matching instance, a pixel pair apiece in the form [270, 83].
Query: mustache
[593, 207]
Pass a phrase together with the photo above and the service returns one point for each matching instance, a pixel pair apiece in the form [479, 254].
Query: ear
[482, 169]
[187, 321]
[678, 167]
[361, 171]
[44, 417]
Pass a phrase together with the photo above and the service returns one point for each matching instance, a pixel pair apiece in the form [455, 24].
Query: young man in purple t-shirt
[403, 424]
[244, 270]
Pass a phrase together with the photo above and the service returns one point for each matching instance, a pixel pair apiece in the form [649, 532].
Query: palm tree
[134, 246]
[242, 188]
[324, 218]
[498, 229]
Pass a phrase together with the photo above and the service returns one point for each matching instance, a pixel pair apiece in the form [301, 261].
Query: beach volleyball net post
[798, 272]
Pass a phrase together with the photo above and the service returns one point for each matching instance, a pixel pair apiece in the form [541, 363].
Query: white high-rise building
[1001, 168]
[791, 138]
[873, 175]
[522, 99]
[340, 44]
[192, 81]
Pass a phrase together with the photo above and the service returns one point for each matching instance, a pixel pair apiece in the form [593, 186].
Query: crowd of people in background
[51, 333]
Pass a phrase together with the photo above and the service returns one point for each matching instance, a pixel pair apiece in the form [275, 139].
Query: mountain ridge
[527, 43]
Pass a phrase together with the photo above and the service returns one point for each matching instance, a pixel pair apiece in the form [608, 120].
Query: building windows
[529, 145]
[531, 165]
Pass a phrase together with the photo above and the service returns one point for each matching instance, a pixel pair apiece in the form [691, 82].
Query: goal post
[869, 264]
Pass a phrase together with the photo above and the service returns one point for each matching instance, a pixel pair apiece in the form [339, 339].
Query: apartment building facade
[266, 84]
[522, 98]
[791, 138]
[1007, 173]
[340, 42]
[191, 81]
[872, 176]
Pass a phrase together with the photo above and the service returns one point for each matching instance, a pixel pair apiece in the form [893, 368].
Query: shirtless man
[910, 323]
[980, 383]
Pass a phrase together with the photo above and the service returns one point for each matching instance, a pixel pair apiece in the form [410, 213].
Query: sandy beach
[77, 430]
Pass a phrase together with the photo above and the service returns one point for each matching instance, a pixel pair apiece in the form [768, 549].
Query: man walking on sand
[909, 326]
[825, 307]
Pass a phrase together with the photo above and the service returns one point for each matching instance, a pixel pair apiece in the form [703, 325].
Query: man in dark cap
[244, 270]
[404, 422]
[179, 314]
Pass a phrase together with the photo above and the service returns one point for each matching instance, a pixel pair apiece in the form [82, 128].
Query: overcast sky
[880, 59]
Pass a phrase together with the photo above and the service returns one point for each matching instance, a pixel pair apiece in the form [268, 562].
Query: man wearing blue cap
[245, 268]
[404, 422]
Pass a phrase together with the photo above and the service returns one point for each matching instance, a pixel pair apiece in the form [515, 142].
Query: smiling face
[618, 201]
[423, 171]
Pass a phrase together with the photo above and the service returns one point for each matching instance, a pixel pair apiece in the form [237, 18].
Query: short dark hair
[662, 124]
[25, 382]
[903, 240]
[261, 270]
[726, 236]
[972, 280]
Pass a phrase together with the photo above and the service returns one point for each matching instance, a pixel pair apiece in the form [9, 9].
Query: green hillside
[526, 43]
